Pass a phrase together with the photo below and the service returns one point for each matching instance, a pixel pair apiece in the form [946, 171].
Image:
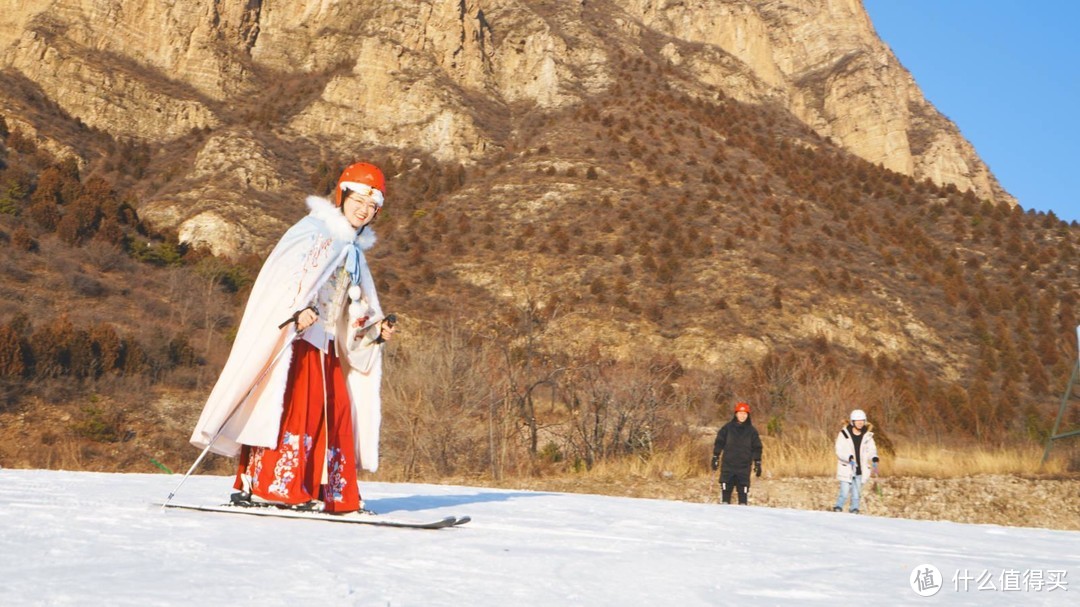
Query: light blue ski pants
[853, 488]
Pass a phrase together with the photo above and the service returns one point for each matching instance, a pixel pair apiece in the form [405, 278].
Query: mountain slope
[452, 79]
[577, 191]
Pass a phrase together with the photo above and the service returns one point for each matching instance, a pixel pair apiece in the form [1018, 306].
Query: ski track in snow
[81, 538]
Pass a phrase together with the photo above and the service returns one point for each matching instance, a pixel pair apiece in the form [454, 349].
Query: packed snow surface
[79, 538]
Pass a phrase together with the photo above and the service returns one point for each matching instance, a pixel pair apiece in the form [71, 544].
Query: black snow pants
[734, 480]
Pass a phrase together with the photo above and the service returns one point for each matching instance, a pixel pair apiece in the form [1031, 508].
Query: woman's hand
[386, 330]
[305, 319]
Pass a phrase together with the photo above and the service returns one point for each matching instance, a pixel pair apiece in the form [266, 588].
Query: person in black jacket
[741, 445]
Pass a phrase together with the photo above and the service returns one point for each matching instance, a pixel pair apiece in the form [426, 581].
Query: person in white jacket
[298, 400]
[856, 454]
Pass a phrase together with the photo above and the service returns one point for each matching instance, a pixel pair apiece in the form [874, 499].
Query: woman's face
[359, 209]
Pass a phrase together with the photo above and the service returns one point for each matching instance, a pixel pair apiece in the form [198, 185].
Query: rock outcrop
[823, 61]
[454, 78]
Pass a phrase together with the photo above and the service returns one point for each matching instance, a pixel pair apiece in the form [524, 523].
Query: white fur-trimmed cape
[305, 257]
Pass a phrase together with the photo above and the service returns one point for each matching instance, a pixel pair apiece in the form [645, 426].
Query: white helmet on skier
[858, 415]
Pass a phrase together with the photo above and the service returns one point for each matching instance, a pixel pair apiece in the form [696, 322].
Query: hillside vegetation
[603, 288]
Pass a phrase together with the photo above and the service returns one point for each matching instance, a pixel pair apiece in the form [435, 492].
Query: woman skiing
[299, 400]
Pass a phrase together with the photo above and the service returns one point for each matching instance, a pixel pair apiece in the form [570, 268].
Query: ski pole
[235, 408]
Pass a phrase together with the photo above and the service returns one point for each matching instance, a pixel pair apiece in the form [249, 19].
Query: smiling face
[359, 209]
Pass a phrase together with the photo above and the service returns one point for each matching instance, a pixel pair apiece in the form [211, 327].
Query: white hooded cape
[304, 258]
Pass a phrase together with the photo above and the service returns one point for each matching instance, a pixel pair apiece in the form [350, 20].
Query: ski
[352, 517]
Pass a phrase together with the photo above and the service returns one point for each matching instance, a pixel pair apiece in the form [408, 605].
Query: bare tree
[619, 408]
[437, 400]
[527, 366]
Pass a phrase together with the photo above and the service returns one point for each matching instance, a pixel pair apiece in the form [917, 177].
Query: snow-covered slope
[71, 538]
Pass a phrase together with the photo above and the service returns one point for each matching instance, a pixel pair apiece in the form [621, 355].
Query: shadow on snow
[425, 502]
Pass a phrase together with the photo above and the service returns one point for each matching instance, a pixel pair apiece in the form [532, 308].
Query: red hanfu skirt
[315, 457]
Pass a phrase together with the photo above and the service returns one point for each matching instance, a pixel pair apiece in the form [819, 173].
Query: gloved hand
[873, 470]
[715, 462]
[757, 468]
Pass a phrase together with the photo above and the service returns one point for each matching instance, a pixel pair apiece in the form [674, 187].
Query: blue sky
[1007, 74]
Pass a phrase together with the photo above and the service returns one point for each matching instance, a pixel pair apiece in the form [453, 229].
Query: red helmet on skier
[745, 408]
[364, 178]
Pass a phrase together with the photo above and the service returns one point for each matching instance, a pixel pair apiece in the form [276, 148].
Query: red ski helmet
[364, 178]
[742, 407]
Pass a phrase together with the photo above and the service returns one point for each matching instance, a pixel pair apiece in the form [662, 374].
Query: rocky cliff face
[454, 77]
[824, 62]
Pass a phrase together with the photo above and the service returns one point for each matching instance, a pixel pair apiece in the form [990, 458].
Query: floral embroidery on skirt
[315, 457]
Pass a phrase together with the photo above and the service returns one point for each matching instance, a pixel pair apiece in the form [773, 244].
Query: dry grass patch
[936, 461]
